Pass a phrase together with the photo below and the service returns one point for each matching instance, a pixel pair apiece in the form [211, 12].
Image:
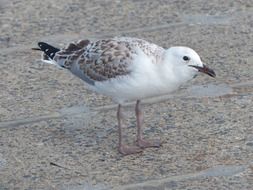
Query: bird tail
[48, 52]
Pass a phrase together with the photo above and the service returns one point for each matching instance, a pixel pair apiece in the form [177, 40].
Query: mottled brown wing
[68, 55]
[153, 51]
[103, 60]
[75, 46]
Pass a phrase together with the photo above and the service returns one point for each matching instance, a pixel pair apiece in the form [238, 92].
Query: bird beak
[205, 70]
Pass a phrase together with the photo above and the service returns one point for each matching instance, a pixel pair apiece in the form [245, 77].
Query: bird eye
[186, 58]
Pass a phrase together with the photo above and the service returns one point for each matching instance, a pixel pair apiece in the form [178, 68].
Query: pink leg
[140, 141]
[124, 149]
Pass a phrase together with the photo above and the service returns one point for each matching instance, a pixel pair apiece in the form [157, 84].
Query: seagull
[127, 69]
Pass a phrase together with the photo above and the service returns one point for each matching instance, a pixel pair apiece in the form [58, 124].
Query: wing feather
[104, 59]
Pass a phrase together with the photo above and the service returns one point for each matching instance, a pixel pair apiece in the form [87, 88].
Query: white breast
[146, 80]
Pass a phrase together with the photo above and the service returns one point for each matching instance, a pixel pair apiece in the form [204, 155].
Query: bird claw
[148, 144]
[126, 150]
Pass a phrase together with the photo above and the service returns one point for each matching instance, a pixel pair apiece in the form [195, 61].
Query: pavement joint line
[57, 115]
[22, 48]
[216, 171]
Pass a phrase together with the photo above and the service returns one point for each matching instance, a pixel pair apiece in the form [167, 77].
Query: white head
[186, 63]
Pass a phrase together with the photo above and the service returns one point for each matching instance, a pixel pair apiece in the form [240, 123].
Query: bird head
[188, 61]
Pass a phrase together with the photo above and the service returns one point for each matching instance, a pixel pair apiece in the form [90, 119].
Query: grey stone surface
[55, 134]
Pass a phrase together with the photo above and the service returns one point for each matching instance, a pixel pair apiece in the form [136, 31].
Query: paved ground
[55, 134]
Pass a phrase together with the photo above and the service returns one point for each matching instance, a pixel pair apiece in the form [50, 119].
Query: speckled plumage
[104, 59]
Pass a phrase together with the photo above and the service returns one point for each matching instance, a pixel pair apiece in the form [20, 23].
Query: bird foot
[126, 150]
[148, 143]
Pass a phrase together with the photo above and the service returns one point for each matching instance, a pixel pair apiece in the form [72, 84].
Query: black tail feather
[47, 49]
[36, 49]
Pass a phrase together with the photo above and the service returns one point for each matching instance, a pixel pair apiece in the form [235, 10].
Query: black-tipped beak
[205, 70]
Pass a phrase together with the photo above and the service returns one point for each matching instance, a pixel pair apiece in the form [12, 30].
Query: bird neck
[174, 73]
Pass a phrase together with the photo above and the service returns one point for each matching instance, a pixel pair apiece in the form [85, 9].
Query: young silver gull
[127, 69]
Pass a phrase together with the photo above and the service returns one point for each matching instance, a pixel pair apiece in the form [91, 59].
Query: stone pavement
[56, 134]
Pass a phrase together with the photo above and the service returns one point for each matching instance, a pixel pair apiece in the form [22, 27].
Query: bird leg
[140, 141]
[124, 149]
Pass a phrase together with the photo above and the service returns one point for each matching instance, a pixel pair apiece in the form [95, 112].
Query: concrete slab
[56, 134]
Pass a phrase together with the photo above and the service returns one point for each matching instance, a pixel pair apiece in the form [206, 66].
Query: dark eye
[186, 58]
